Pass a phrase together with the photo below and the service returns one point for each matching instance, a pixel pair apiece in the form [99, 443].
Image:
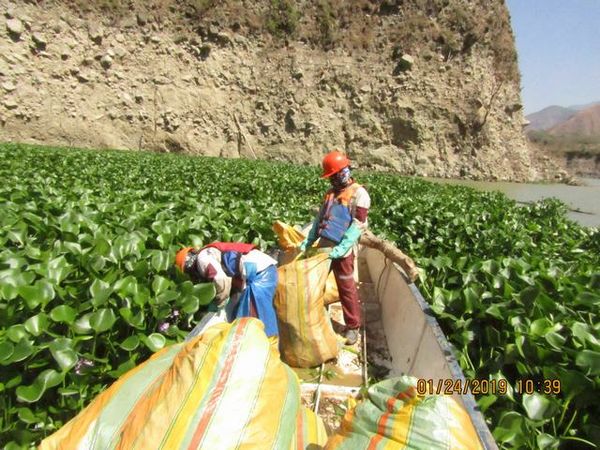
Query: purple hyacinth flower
[81, 364]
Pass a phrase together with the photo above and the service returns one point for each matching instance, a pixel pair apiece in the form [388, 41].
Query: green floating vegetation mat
[87, 287]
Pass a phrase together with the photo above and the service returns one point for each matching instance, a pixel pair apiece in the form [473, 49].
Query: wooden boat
[400, 336]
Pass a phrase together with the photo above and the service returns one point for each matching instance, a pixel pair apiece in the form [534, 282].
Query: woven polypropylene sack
[224, 389]
[393, 416]
[310, 431]
[289, 238]
[331, 294]
[306, 336]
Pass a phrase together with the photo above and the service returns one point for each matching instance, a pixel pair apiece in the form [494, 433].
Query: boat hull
[416, 344]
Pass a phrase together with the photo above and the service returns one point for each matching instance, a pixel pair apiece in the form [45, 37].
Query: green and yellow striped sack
[393, 416]
[310, 431]
[224, 389]
[306, 336]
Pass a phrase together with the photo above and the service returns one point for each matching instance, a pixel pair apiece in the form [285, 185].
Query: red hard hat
[333, 163]
[181, 256]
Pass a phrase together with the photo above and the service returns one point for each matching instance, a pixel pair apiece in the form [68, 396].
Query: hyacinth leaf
[589, 361]
[27, 416]
[32, 393]
[160, 284]
[205, 293]
[154, 341]
[37, 324]
[130, 344]
[99, 291]
[63, 313]
[16, 333]
[538, 407]
[39, 294]
[161, 261]
[6, 351]
[22, 350]
[103, 320]
[82, 324]
[63, 353]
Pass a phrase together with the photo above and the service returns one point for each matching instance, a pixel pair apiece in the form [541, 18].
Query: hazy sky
[558, 42]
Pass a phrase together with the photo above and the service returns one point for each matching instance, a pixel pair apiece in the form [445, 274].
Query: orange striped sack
[224, 389]
[305, 333]
[393, 416]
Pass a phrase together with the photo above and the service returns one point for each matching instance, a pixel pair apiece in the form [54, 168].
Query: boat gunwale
[468, 399]
[470, 405]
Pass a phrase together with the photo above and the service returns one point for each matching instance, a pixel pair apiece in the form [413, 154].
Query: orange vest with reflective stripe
[335, 216]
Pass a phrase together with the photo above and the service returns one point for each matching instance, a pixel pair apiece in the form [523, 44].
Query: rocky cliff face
[426, 87]
[583, 165]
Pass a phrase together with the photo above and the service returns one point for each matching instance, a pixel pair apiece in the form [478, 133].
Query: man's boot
[351, 336]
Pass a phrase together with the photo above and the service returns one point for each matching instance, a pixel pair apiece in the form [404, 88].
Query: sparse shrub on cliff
[326, 19]
[282, 18]
[453, 28]
[110, 7]
[500, 40]
[448, 27]
[200, 7]
[342, 24]
[415, 32]
[460, 28]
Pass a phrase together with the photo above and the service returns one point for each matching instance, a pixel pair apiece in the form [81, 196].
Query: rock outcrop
[151, 78]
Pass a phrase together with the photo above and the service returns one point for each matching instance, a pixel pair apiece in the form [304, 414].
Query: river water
[585, 199]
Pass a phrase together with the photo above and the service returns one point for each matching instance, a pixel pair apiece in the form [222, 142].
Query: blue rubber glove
[351, 236]
[216, 305]
[312, 237]
[303, 245]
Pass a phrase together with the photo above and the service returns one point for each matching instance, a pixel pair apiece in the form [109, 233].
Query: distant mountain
[575, 139]
[583, 123]
[549, 117]
[580, 107]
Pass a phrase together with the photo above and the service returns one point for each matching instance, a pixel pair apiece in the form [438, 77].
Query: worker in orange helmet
[341, 219]
[241, 273]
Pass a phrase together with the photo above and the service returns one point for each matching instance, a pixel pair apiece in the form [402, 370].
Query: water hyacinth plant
[87, 287]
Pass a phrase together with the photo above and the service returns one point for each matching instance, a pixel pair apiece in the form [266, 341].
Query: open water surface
[583, 201]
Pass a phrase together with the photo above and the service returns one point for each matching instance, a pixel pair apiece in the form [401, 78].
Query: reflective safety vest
[335, 216]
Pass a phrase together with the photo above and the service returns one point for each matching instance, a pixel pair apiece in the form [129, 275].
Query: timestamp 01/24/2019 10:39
[447, 386]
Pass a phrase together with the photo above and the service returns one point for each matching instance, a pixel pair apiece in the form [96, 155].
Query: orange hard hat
[333, 163]
[181, 256]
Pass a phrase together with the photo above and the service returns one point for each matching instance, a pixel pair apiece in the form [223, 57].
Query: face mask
[341, 179]
[190, 260]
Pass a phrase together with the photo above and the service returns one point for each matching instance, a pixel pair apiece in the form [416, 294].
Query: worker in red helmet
[339, 224]
[241, 273]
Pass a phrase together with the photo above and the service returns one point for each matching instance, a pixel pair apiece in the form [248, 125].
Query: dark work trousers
[343, 270]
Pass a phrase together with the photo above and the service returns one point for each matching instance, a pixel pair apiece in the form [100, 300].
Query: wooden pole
[241, 133]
